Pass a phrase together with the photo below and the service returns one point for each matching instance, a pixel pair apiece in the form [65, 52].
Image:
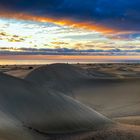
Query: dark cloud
[65, 51]
[117, 14]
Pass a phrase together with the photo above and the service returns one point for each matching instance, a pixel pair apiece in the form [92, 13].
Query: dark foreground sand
[70, 102]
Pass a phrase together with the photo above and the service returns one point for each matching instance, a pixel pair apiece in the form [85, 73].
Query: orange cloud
[67, 22]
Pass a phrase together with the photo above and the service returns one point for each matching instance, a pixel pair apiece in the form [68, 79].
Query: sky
[70, 27]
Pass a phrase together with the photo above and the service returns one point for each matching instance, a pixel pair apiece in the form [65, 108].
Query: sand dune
[58, 77]
[110, 95]
[66, 102]
[11, 128]
[46, 112]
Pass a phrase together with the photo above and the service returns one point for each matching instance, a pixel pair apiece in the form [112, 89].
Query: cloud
[47, 35]
[66, 51]
[89, 25]
[102, 15]
[60, 43]
[11, 38]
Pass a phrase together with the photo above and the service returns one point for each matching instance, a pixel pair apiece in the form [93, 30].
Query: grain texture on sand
[46, 112]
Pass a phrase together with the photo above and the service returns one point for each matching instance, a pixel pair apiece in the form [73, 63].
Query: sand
[109, 95]
[61, 101]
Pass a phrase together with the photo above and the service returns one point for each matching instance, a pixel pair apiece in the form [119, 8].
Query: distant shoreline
[71, 59]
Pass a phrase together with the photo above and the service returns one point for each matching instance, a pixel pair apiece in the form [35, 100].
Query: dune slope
[11, 128]
[58, 77]
[112, 96]
[46, 112]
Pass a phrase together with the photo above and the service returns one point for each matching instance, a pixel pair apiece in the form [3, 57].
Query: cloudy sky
[96, 27]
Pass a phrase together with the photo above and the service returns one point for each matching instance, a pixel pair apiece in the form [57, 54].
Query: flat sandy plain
[70, 102]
